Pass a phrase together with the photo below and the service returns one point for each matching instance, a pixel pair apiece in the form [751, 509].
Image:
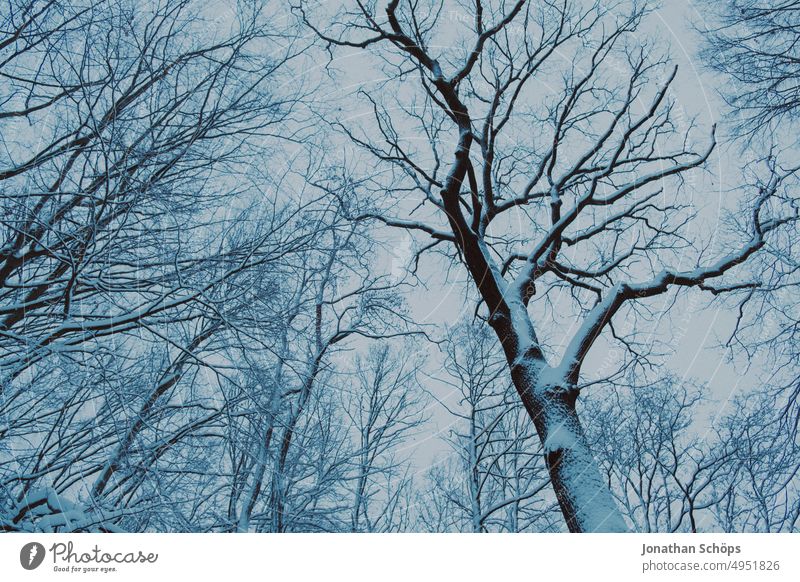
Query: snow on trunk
[585, 499]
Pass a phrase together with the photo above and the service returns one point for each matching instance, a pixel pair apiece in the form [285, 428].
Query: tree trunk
[585, 499]
[251, 497]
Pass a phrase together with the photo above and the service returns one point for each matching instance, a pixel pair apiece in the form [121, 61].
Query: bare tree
[665, 475]
[763, 467]
[754, 44]
[495, 479]
[111, 204]
[335, 299]
[126, 130]
[197, 332]
[385, 408]
[576, 189]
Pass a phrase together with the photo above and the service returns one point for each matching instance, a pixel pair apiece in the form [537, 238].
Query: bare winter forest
[399, 265]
